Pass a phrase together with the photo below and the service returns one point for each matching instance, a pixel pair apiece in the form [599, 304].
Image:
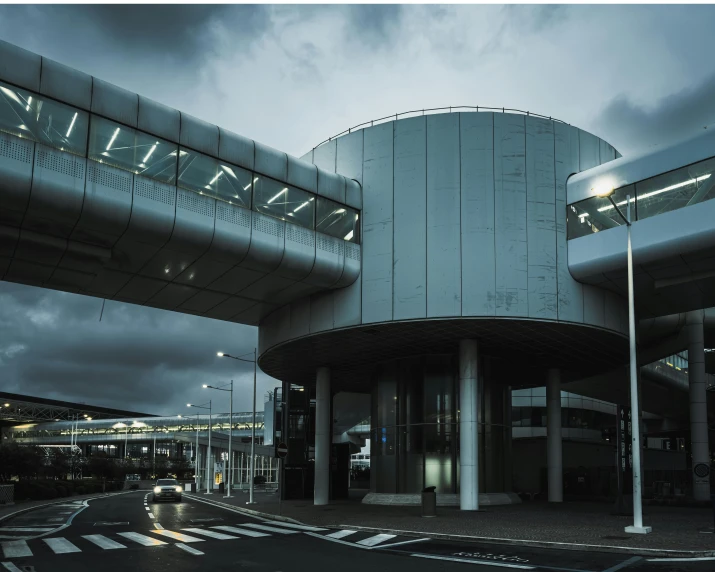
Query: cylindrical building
[463, 229]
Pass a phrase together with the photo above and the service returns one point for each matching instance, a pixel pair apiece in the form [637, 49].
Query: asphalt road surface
[127, 532]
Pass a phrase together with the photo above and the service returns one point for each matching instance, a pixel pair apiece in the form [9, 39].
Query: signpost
[282, 453]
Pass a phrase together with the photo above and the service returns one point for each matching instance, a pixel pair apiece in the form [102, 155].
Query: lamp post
[635, 424]
[253, 426]
[208, 451]
[196, 455]
[126, 432]
[230, 432]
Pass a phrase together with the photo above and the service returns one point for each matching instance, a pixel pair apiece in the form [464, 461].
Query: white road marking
[211, 533]
[61, 545]
[269, 528]
[189, 549]
[151, 515]
[103, 542]
[15, 549]
[178, 536]
[345, 542]
[698, 559]
[68, 512]
[403, 542]
[56, 519]
[141, 539]
[26, 529]
[341, 533]
[251, 533]
[298, 526]
[11, 567]
[375, 540]
[480, 562]
[146, 508]
[158, 526]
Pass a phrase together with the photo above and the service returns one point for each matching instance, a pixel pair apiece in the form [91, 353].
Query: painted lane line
[211, 533]
[251, 533]
[345, 542]
[623, 564]
[141, 539]
[189, 549]
[341, 533]
[298, 526]
[375, 540]
[103, 542]
[69, 512]
[403, 542]
[61, 545]
[480, 562]
[158, 526]
[150, 515]
[11, 567]
[146, 508]
[694, 559]
[15, 549]
[178, 536]
[26, 529]
[56, 519]
[269, 528]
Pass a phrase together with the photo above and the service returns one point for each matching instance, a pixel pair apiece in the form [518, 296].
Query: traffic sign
[282, 450]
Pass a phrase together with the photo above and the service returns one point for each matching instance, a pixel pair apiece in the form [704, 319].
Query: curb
[541, 544]
[60, 501]
[246, 511]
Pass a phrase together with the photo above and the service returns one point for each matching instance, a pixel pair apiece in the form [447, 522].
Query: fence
[7, 494]
[418, 112]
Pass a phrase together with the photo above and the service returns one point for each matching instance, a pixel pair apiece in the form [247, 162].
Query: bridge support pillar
[554, 461]
[698, 406]
[468, 426]
[323, 437]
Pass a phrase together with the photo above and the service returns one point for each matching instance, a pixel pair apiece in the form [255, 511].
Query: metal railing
[7, 494]
[421, 112]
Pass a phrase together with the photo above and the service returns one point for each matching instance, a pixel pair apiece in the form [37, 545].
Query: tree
[19, 461]
[101, 466]
[58, 464]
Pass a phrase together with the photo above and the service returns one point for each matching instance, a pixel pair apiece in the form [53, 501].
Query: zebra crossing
[184, 537]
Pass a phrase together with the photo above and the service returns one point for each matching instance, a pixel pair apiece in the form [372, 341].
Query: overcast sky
[290, 77]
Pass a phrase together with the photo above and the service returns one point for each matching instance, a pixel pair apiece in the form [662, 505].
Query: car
[167, 489]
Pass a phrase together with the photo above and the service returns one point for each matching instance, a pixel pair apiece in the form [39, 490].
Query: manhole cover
[617, 537]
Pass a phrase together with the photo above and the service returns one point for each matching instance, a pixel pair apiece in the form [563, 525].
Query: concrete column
[323, 436]
[553, 436]
[698, 403]
[468, 426]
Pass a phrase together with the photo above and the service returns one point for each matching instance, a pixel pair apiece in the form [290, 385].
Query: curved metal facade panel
[299, 256]
[107, 205]
[464, 215]
[16, 158]
[199, 135]
[302, 174]
[329, 262]
[19, 66]
[267, 244]
[57, 192]
[236, 149]
[351, 268]
[271, 162]
[66, 84]
[115, 103]
[158, 119]
[331, 186]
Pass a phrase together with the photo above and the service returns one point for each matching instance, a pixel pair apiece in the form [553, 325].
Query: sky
[291, 76]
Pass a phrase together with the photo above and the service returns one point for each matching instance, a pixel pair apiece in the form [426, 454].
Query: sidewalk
[530, 523]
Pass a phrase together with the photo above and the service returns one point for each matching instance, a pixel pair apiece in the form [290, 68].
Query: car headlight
[178, 489]
[157, 489]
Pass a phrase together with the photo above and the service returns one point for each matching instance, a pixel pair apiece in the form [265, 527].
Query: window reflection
[129, 149]
[597, 213]
[336, 220]
[209, 176]
[26, 115]
[278, 200]
[680, 188]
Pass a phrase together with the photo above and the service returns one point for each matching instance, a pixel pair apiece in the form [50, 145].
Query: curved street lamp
[253, 427]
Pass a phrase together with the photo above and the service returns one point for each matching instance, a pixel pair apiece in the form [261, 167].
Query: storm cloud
[291, 76]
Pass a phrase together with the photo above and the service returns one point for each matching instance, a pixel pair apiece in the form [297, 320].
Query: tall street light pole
[230, 432]
[637, 527]
[196, 456]
[253, 426]
[208, 452]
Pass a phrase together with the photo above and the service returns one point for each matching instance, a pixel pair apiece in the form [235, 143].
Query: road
[127, 531]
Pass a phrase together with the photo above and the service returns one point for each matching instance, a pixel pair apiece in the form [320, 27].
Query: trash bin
[429, 502]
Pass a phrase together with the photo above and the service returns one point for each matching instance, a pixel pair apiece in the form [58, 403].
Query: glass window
[209, 176]
[597, 213]
[132, 150]
[24, 114]
[677, 189]
[337, 220]
[277, 199]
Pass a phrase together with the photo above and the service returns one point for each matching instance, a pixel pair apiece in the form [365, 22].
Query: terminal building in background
[452, 276]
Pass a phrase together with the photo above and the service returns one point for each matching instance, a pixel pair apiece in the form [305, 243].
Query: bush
[133, 487]
[79, 489]
[259, 480]
[61, 490]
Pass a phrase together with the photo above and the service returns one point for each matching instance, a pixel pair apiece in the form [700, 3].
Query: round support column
[554, 460]
[323, 426]
[468, 426]
[698, 406]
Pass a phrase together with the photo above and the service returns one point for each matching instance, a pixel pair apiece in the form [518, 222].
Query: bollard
[429, 502]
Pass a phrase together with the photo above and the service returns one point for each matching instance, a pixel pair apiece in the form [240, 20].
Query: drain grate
[617, 537]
